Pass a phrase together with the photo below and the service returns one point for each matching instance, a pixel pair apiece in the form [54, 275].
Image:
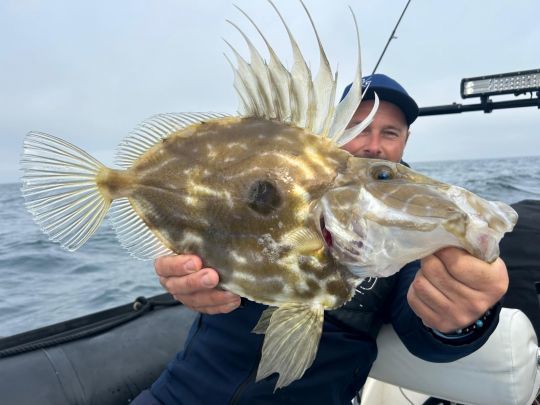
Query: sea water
[41, 284]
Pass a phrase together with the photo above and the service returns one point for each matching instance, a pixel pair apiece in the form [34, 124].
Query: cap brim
[405, 103]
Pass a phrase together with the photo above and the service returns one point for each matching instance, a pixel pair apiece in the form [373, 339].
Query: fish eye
[382, 172]
[263, 197]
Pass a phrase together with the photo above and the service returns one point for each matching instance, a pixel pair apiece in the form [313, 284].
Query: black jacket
[220, 359]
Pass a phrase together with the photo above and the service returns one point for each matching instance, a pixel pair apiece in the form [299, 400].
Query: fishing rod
[516, 83]
[392, 36]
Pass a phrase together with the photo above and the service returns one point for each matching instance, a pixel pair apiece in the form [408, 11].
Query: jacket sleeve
[419, 339]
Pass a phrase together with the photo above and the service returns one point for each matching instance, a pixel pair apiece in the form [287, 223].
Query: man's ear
[407, 136]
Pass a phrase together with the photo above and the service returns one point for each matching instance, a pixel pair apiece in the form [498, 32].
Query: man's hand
[183, 277]
[453, 289]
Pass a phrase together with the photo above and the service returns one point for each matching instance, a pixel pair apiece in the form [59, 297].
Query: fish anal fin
[264, 321]
[291, 342]
[134, 234]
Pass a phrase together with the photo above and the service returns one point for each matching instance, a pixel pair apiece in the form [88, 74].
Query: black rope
[140, 306]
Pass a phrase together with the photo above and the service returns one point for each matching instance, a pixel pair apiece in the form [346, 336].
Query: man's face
[384, 138]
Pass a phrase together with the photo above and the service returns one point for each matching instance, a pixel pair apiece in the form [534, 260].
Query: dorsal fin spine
[271, 91]
[278, 76]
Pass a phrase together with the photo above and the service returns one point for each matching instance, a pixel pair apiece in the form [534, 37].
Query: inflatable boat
[109, 357]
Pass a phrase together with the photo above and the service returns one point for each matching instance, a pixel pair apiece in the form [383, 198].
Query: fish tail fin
[61, 191]
[291, 341]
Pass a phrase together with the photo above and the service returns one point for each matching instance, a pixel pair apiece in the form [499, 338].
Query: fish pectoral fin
[264, 321]
[291, 342]
[303, 240]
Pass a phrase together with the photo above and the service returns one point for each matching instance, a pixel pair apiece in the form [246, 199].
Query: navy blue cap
[388, 90]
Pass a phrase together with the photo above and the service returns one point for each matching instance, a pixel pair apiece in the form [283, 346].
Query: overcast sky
[91, 71]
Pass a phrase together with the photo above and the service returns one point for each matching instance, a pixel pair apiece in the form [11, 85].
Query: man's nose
[373, 146]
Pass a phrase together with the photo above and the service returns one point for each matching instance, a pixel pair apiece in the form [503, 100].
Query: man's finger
[191, 283]
[423, 289]
[221, 309]
[470, 270]
[213, 301]
[424, 312]
[181, 265]
[434, 270]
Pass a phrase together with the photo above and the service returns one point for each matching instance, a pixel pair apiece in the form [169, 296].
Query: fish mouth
[327, 236]
[344, 235]
[348, 250]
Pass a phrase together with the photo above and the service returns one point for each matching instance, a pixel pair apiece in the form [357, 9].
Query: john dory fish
[267, 197]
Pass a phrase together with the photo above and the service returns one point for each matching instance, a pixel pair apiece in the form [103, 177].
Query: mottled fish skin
[256, 218]
[238, 192]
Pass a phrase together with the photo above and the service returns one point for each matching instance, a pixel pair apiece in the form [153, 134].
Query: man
[522, 257]
[443, 307]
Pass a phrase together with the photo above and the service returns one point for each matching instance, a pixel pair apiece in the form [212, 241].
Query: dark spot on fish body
[263, 197]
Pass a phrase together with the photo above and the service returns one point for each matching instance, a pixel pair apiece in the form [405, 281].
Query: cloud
[91, 71]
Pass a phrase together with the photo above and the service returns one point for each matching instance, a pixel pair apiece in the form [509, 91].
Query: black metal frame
[486, 105]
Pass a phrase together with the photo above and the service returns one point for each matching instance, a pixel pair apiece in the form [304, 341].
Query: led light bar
[504, 83]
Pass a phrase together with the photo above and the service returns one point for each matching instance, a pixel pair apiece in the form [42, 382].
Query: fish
[267, 197]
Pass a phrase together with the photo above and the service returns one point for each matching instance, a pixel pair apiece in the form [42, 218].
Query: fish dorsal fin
[324, 87]
[353, 132]
[269, 90]
[133, 234]
[153, 130]
[260, 74]
[347, 107]
[279, 79]
[301, 83]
